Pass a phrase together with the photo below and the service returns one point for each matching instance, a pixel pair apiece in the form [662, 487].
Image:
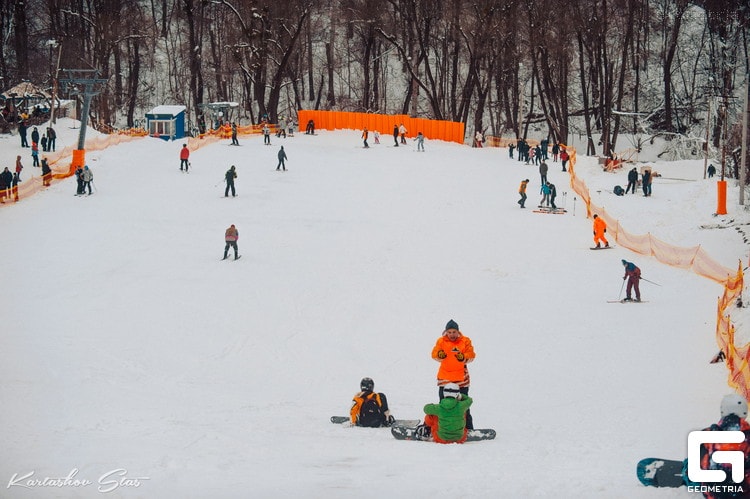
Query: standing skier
[229, 176]
[87, 176]
[231, 235]
[282, 157]
[370, 409]
[420, 142]
[266, 135]
[402, 132]
[234, 135]
[552, 195]
[454, 350]
[600, 227]
[633, 275]
[184, 155]
[395, 135]
[522, 192]
[364, 137]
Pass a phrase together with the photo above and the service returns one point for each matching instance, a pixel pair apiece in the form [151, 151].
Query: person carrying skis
[633, 275]
[733, 413]
[229, 176]
[522, 192]
[370, 409]
[231, 235]
[447, 421]
[282, 156]
[184, 155]
[453, 351]
[600, 227]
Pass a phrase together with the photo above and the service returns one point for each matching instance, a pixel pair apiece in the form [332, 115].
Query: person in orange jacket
[454, 350]
[522, 192]
[600, 227]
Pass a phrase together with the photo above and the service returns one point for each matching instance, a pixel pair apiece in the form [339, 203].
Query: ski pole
[621, 288]
[652, 282]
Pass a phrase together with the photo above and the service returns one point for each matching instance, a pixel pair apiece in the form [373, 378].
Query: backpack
[619, 191]
[370, 412]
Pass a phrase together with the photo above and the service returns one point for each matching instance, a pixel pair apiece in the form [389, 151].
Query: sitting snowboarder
[370, 409]
[446, 420]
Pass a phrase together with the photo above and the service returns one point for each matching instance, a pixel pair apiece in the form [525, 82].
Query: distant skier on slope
[633, 275]
[600, 227]
[231, 235]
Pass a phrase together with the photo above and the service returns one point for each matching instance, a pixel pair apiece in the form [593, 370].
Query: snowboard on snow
[656, 472]
[627, 301]
[410, 433]
[400, 422]
[601, 247]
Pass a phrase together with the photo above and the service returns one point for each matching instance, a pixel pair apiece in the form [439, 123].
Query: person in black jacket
[230, 176]
[6, 180]
[282, 157]
[632, 180]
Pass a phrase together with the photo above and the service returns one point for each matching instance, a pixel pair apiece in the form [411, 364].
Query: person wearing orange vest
[453, 351]
[600, 227]
[184, 155]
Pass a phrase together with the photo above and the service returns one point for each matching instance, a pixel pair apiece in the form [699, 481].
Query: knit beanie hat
[451, 325]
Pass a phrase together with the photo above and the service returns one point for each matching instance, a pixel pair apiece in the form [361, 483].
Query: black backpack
[370, 413]
[619, 191]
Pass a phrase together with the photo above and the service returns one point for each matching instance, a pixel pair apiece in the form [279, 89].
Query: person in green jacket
[446, 420]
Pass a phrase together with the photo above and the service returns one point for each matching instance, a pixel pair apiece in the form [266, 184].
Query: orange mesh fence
[698, 261]
[449, 131]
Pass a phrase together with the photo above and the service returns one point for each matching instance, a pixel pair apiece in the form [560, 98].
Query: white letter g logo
[734, 458]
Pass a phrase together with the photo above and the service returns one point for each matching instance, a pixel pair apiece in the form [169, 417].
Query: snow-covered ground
[134, 359]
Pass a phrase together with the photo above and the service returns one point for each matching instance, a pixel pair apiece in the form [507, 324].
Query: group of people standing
[645, 181]
[447, 421]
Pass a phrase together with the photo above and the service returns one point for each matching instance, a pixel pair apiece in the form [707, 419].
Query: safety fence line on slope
[61, 164]
[695, 259]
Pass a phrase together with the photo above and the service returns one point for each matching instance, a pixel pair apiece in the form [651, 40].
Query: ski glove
[460, 357]
[390, 421]
[441, 354]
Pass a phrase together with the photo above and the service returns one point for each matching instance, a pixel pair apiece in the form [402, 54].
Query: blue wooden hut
[166, 122]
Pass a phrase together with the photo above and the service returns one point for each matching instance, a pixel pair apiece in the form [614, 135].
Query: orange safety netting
[450, 131]
[694, 259]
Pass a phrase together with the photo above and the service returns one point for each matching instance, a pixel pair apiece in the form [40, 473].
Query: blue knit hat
[451, 325]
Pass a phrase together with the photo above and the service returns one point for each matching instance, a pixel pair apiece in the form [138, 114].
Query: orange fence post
[721, 208]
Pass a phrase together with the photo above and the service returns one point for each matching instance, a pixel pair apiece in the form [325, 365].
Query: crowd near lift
[216, 114]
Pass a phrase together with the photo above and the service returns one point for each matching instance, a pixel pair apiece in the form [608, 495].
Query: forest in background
[515, 68]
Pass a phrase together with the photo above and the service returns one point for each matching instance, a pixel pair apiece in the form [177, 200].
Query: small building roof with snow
[166, 110]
